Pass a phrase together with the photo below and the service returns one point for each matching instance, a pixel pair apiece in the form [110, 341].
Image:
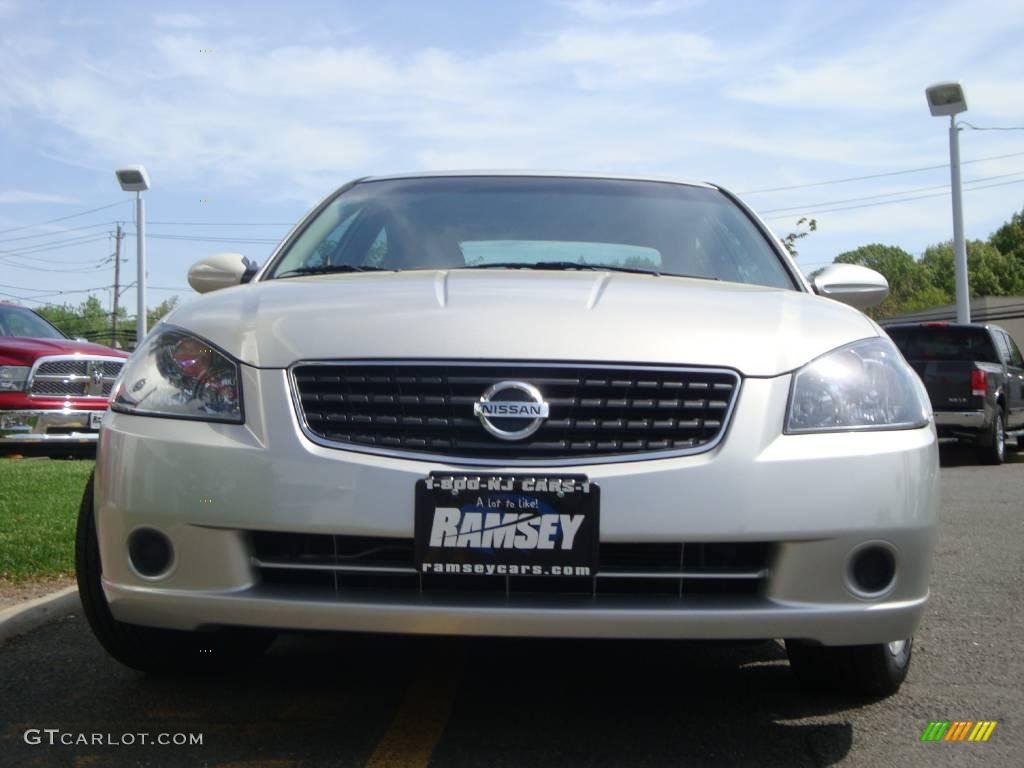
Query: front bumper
[39, 426]
[816, 498]
[746, 620]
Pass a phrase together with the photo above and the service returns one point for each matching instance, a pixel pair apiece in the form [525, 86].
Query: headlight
[13, 377]
[864, 385]
[177, 374]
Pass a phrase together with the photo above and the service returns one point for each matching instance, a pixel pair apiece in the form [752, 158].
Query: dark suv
[975, 379]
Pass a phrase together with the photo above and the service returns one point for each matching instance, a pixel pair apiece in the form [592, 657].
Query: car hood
[523, 315]
[24, 350]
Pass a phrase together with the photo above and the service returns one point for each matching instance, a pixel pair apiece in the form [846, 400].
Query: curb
[19, 619]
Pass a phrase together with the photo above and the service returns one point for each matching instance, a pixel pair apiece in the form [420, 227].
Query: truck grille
[595, 412]
[74, 377]
[342, 564]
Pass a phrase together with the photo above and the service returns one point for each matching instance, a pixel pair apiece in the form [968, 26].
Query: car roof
[542, 174]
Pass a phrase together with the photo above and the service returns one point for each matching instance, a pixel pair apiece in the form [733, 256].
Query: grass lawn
[39, 501]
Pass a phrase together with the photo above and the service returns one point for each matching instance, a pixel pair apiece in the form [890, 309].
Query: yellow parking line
[419, 723]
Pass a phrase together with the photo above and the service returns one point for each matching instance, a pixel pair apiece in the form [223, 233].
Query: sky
[246, 114]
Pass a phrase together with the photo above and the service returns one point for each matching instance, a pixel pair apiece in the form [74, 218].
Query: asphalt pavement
[399, 702]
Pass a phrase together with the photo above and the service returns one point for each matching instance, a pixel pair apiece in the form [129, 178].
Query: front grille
[595, 411]
[76, 377]
[350, 564]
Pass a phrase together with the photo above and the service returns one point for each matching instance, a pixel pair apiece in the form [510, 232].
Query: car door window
[1000, 339]
[1014, 356]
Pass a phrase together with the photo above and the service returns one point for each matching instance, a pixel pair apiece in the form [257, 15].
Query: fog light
[871, 570]
[150, 551]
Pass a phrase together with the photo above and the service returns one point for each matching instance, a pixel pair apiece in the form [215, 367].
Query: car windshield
[18, 321]
[949, 344]
[534, 222]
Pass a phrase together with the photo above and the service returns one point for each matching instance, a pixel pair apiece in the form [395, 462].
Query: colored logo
[958, 730]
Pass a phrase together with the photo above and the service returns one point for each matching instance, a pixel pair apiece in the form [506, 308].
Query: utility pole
[963, 292]
[948, 99]
[117, 285]
[140, 280]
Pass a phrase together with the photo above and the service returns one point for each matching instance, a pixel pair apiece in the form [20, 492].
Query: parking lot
[384, 701]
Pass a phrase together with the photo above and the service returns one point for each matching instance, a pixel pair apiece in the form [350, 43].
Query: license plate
[507, 525]
[96, 419]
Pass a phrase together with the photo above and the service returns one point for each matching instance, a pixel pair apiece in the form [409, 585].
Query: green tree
[155, 314]
[91, 320]
[790, 240]
[990, 272]
[909, 283]
[1009, 238]
[86, 319]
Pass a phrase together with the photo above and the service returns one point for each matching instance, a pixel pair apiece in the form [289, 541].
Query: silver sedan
[521, 405]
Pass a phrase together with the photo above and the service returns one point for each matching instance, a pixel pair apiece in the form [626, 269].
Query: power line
[59, 231]
[55, 246]
[878, 175]
[804, 208]
[62, 218]
[34, 268]
[49, 261]
[220, 223]
[991, 128]
[52, 293]
[22, 288]
[41, 246]
[197, 238]
[894, 202]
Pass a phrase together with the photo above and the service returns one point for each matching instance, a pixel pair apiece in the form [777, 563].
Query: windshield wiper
[328, 269]
[559, 265]
[568, 265]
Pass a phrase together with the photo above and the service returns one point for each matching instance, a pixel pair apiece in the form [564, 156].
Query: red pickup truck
[53, 390]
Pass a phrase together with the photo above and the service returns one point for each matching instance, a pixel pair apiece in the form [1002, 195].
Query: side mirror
[852, 284]
[220, 271]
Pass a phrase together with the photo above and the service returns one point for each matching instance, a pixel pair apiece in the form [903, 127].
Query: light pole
[949, 99]
[133, 178]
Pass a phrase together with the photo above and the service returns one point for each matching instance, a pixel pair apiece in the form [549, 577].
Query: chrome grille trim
[453, 457]
[69, 376]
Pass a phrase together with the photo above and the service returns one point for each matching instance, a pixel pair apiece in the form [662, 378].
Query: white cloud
[69, 19]
[293, 120]
[888, 70]
[299, 118]
[629, 59]
[609, 11]
[179, 20]
[21, 196]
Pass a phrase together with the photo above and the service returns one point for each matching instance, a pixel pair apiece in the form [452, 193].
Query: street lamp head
[133, 178]
[946, 99]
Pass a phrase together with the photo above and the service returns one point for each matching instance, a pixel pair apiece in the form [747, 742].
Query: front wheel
[147, 648]
[866, 670]
[993, 451]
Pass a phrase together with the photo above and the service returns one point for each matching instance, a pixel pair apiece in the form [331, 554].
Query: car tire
[150, 649]
[863, 670]
[993, 450]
